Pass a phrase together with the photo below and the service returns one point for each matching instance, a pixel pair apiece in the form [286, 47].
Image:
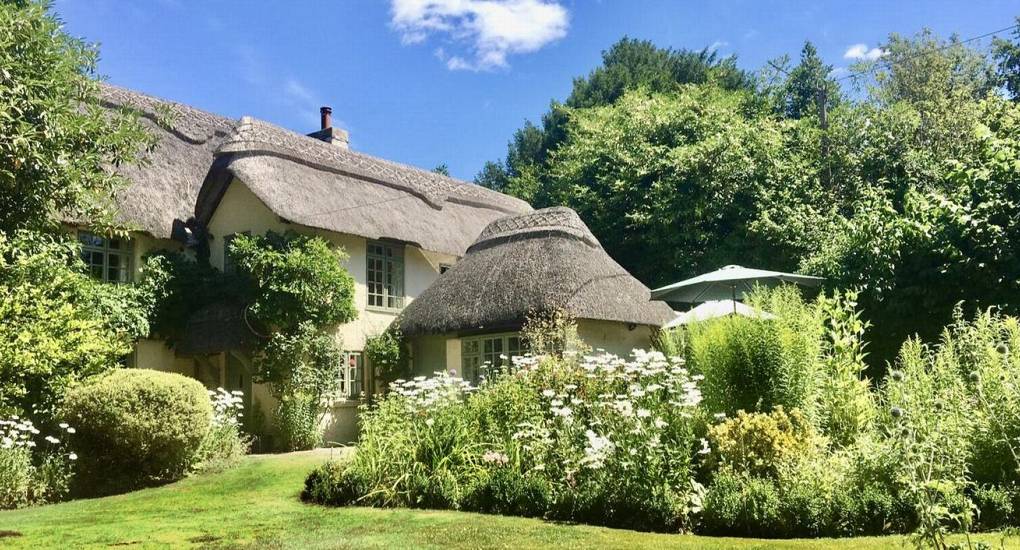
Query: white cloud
[717, 44]
[861, 52]
[490, 30]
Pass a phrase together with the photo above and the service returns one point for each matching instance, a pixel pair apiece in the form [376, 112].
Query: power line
[889, 64]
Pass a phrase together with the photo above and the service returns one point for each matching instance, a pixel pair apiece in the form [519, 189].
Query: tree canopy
[906, 189]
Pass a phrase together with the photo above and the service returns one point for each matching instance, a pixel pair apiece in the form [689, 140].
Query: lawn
[256, 506]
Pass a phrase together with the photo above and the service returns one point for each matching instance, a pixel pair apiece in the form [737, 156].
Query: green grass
[256, 506]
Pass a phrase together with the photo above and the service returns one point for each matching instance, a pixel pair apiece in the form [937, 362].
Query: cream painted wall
[609, 336]
[614, 337]
[241, 210]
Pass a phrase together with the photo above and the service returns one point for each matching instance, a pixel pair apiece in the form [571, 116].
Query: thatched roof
[313, 183]
[216, 328]
[542, 261]
[165, 186]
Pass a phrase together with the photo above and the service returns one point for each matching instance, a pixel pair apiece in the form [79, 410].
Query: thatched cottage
[211, 178]
[520, 266]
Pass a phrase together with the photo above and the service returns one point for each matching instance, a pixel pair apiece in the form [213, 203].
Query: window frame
[105, 250]
[472, 361]
[352, 380]
[390, 273]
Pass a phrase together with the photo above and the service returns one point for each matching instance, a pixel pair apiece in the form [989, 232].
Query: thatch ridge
[542, 261]
[165, 184]
[320, 185]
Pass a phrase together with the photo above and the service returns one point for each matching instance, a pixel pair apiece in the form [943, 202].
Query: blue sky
[447, 81]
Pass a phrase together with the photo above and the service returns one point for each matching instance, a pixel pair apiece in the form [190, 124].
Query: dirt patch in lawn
[204, 538]
[5, 533]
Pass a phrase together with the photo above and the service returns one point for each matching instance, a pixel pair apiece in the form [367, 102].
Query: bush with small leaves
[135, 428]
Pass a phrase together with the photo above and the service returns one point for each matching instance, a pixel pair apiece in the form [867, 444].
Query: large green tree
[58, 144]
[628, 64]
[58, 147]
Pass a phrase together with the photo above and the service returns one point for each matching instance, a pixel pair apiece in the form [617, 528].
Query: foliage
[602, 441]
[387, 353]
[754, 364]
[553, 334]
[738, 504]
[1007, 53]
[297, 278]
[261, 491]
[628, 64]
[761, 443]
[225, 443]
[136, 428]
[806, 87]
[57, 140]
[298, 416]
[57, 324]
[34, 469]
[182, 286]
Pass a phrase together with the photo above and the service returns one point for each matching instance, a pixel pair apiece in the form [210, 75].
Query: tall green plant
[56, 141]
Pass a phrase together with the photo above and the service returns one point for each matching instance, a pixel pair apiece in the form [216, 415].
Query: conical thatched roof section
[164, 187]
[317, 184]
[542, 261]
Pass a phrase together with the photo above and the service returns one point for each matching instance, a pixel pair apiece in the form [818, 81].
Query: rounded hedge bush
[136, 427]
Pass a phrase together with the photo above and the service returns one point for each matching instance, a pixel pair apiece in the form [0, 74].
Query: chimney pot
[326, 117]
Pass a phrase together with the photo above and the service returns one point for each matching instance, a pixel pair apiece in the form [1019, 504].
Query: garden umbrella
[732, 282]
[716, 308]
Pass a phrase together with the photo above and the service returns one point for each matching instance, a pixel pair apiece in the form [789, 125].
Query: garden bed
[256, 505]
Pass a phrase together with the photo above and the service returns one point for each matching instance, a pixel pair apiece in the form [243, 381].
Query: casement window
[106, 259]
[229, 265]
[491, 350]
[385, 275]
[352, 375]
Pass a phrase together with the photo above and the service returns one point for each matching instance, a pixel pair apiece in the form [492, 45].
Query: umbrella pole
[734, 289]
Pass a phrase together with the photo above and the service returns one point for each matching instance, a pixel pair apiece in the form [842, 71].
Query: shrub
[225, 443]
[739, 504]
[759, 443]
[332, 483]
[297, 422]
[16, 477]
[387, 353]
[136, 427]
[503, 490]
[995, 506]
[34, 469]
[753, 364]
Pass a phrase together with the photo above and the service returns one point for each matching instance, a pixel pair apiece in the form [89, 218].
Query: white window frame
[474, 354]
[92, 244]
[384, 275]
[352, 375]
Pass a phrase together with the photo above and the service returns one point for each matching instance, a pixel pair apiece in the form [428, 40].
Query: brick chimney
[327, 132]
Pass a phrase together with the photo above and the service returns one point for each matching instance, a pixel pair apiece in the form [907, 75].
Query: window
[353, 372]
[385, 274]
[229, 266]
[482, 352]
[107, 259]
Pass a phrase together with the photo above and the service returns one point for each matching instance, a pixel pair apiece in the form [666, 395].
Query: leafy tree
[57, 141]
[57, 324]
[628, 64]
[296, 278]
[1007, 53]
[670, 183]
[442, 169]
[926, 68]
[808, 86]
